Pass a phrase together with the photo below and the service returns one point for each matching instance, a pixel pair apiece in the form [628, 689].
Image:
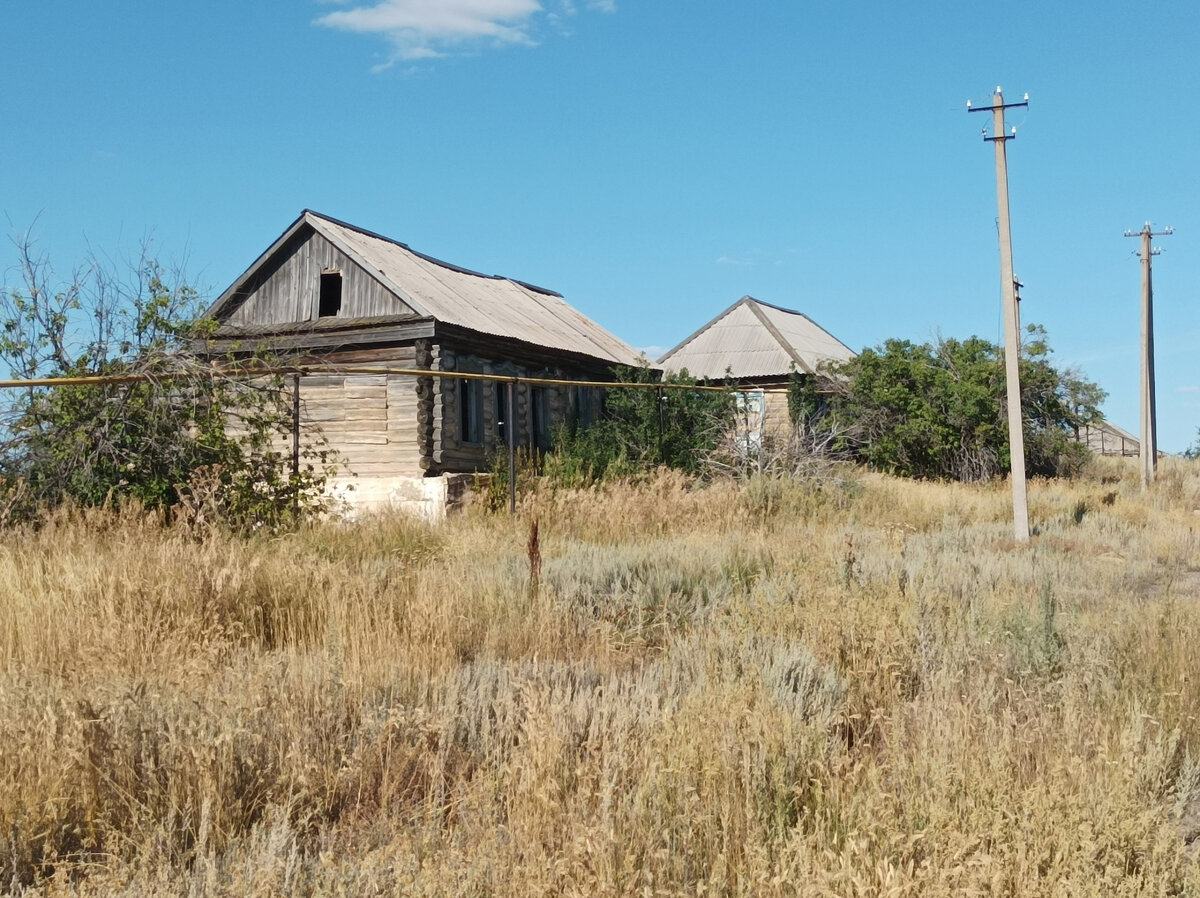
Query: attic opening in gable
[330, 300]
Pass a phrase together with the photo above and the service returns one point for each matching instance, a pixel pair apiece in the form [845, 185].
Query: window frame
[470, 411]
[539, 410]
[329, 297]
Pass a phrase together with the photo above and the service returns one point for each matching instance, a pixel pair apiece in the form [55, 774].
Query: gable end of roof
[686, 340]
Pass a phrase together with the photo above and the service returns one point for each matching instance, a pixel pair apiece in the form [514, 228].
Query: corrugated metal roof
[755, 339]
[488, 304]
[1105, 438]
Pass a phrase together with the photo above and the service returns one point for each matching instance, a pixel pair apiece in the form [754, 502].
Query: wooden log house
[326, 292]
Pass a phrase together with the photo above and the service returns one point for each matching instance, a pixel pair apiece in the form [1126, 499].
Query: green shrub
[642, 429]
[166, 428]
[937, 410]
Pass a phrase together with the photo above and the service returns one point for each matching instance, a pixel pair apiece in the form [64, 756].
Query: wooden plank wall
[777, 420]
[289, 292]
[370, 420]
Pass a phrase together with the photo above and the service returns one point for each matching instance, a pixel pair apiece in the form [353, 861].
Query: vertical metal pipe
[510, 430]
[659, 400]
[296, 424]
[296, 443]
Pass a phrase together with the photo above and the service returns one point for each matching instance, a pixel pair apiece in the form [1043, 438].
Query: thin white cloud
[751, 257]
[1189, 389]
[423, 29]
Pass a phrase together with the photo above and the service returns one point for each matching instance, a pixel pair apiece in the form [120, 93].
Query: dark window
[541, 417]
[331, 294]
[585, 405]
[470, 411]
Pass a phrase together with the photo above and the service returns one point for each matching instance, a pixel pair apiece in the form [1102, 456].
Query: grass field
[860, 687]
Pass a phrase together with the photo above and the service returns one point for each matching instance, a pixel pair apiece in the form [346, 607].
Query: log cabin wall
[290, 291]
[387, 426]
[471, 436]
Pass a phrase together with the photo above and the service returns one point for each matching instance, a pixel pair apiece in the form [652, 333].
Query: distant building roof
[488, 304]
[1105, 438]
[754, 339]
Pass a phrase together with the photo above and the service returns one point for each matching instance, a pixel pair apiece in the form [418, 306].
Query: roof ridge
[807, 318]
[782, 342]
[448, 294]
[428, 258]
[771, 305]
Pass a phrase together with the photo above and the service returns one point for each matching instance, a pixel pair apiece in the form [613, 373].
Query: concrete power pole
[1148, 451]
[1012, 327]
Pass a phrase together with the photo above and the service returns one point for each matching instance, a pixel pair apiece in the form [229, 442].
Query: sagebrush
[855, 687]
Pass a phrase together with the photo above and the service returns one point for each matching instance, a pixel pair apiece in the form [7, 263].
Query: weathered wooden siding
[370, 420]
[777, 420]
[385, 426]
[289, 292]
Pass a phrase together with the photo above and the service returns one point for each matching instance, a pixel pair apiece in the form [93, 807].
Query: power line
[303, 370]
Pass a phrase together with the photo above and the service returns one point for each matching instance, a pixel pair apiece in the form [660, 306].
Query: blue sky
[653, 162]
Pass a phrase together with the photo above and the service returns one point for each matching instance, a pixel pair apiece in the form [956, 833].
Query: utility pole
[1012, 327]
[1148, 451]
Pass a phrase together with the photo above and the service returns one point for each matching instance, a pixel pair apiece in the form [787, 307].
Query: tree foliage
[178, 430]
[938, 410]
[641, 429]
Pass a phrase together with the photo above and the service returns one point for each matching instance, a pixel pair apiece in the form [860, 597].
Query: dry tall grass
[862, 688]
